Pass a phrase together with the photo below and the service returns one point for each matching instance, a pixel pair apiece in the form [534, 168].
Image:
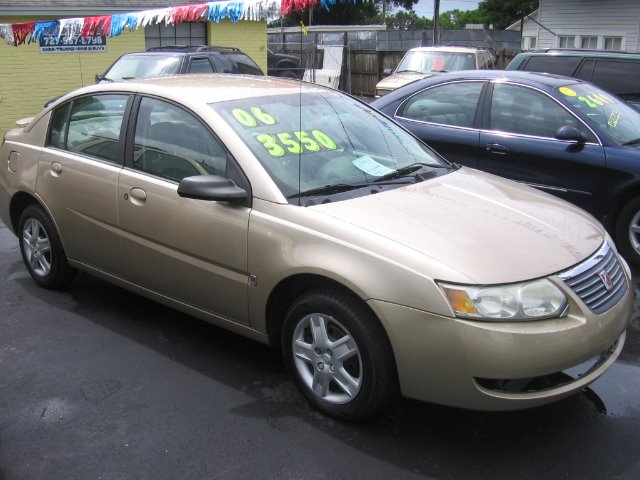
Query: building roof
[80, 8]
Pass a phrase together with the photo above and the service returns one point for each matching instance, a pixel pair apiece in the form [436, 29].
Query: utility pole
[436, 22]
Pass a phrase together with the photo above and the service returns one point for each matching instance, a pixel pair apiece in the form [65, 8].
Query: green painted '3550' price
[279, 144]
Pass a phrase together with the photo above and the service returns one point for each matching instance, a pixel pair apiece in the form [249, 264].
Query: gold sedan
[300, 217]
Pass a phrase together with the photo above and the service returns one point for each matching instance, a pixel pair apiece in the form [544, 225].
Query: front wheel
[339, 355]
[42, 250]
[628, 231]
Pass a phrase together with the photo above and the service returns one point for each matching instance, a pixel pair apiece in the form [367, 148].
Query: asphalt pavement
[99, 383]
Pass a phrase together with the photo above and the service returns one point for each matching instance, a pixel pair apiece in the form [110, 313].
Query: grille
[599, 281]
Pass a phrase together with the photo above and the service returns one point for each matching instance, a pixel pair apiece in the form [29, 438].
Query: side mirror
[387, 71]
[212, 188]
[98, 77]
[570, 134]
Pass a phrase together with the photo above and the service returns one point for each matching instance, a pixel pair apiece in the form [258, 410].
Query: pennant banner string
[113, 25]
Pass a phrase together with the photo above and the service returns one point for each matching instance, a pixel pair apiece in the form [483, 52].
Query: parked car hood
[489, 228]
[399, 79]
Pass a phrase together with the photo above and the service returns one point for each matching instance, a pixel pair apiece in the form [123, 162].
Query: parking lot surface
[99, 383]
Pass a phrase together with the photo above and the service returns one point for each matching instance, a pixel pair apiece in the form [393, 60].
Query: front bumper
[480, 365]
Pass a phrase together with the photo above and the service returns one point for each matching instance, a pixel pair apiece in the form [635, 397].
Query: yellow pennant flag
[304, 29]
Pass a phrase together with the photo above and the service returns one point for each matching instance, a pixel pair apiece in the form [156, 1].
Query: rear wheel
[42, 250]
[339, 355]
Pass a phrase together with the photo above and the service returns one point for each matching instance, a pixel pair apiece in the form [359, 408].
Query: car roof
[543, 79]
[205, 88]
[537, 79]
[451, 48]
[582, 53]
[185, 50]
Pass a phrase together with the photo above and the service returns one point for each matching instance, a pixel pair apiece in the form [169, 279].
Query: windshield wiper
[329, 189]
[405, 171]
[342, 187]
[635, 141]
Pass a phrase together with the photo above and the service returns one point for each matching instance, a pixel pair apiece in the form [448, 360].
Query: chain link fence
[354, 60]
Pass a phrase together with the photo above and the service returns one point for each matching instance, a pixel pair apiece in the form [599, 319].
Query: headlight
[504, 303]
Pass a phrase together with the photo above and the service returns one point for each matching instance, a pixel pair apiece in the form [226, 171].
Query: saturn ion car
[300, 217]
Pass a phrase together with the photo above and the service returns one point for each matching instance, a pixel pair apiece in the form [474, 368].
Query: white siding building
[589, 24]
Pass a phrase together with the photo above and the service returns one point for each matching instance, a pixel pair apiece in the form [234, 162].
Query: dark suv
[162, 61]
[617, 72]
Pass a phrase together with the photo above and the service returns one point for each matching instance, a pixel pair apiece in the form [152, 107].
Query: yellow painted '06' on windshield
[279, 144]
[252, 119]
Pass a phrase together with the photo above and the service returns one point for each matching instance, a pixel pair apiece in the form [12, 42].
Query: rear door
[617, 76]
[518, 142]
[445, 117]
[78, 174]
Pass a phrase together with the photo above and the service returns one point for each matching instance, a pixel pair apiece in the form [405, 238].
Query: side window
[94, 126]
[525, 111]
[171, 143]
[561, 65]
[200, 65]
[618, 77]
[452, 104]
[244, 63]
[58, 127]
[586, 70]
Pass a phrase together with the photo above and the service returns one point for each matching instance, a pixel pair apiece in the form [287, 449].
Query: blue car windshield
[322, 139]
[606, 111]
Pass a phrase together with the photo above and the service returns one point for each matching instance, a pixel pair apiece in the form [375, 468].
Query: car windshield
[606, 111]
[144, 66]
[324, 140]
[434, 61]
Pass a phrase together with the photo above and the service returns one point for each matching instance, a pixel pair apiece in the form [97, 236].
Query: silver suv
[424, 62]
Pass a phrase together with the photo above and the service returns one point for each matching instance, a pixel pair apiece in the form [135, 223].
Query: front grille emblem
[606, 279]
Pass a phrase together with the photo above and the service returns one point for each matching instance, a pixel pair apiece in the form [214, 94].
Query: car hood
[489, 229]
[399, 79]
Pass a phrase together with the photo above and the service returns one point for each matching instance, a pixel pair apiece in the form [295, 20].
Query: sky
[424, 8]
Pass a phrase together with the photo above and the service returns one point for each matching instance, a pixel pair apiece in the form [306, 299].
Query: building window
[613, 43]
[567, 41]
[589, 42]
[529, 43]
[194, 33]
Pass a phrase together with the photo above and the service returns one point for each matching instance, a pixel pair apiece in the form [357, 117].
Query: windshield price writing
[282, 143]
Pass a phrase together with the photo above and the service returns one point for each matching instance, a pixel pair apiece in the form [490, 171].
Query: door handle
[137, 196]
[497, 148]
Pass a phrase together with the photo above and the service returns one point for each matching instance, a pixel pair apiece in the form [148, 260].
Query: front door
[519, 143]
[193, 251]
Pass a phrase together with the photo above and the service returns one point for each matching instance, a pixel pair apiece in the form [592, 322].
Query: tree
[457, 19]
[502, 13]
[348, 13]
[410, 20]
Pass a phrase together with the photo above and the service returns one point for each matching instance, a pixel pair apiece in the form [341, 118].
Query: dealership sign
[61, 44]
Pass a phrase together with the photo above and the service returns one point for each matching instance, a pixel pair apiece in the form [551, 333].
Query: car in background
[617, 72]
[422, 62]
[301, 217]
[283, 65]
[177, 59]
[558, 134]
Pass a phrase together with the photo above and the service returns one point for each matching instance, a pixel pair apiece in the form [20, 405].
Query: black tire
[42, 250]
[352, 349]
[628, 231]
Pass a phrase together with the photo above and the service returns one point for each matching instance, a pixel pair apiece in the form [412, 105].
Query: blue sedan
[558, 134]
